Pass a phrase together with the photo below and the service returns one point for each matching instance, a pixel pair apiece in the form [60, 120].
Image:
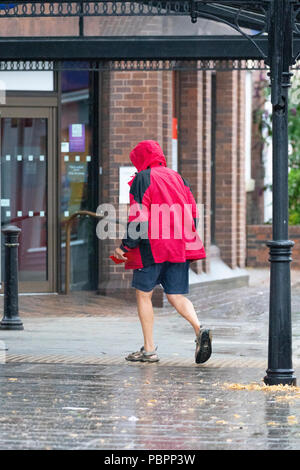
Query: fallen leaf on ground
[287, 397]
[263, 387]
[292, 420]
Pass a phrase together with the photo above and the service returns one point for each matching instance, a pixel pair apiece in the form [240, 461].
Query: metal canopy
[268, 30]
[250, 18]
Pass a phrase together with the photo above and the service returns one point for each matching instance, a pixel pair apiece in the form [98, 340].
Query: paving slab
[142, 407]
[65, 384]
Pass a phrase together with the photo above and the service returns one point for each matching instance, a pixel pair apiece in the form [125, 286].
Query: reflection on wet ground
[141, 406]
[49, 400]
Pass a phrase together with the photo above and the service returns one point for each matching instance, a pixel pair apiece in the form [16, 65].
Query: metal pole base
[280, 377]
[11, 324]
[280, 367]
[11, 319]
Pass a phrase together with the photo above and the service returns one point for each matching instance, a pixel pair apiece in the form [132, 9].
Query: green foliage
[294, 153]
[294, 196]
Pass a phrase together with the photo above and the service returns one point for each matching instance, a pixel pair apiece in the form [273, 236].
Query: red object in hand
[116, 260]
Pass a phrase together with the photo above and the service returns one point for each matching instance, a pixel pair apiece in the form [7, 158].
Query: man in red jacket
[160, 242]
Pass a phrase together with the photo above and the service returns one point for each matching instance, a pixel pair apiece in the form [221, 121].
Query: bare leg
[146, 316]
[186, 309]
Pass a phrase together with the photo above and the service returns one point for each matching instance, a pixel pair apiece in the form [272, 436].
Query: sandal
[143, 356]
[203, 346]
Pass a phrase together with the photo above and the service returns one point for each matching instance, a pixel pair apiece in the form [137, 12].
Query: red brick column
[255, 198]
[190, 127]
[132, 110]
[241, 185]
[109, 274]
[206, 165]
[226, 165]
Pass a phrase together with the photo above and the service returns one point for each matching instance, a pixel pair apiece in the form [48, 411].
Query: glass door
[79, 176]
[28, 192]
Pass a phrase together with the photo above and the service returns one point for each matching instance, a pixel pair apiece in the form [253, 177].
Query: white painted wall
[267, 159]
[248, 131]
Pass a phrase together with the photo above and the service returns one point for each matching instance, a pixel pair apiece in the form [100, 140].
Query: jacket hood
[147, 154]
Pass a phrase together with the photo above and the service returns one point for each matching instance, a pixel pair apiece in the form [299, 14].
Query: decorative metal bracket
[193, 12]
[237, 18]
[280, 53]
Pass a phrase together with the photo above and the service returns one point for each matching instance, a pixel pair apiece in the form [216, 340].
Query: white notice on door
[125, 175]
[5, 202]
[64, 147]
[76, 130]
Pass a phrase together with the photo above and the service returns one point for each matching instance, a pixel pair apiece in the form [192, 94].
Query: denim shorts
[174, 277]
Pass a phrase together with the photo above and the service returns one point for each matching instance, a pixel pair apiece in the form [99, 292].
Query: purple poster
[77, 137]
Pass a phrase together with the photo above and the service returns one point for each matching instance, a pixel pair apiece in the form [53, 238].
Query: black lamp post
[280, 369]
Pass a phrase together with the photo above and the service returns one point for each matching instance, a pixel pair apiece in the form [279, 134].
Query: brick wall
[111, 26]
[255, 198]
[258, 252]
[135, 107]
[226, 165]
[206, 171]
[39, 27]
[230, 167]
[190, 135]
[195, 146]
[241, 186]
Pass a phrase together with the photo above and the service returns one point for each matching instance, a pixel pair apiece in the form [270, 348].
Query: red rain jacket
[163, 213]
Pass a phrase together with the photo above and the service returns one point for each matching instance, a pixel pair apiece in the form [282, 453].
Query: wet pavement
[65, 384]
[142, 406]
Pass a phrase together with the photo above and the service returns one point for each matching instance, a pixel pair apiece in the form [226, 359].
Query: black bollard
[11, 319]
